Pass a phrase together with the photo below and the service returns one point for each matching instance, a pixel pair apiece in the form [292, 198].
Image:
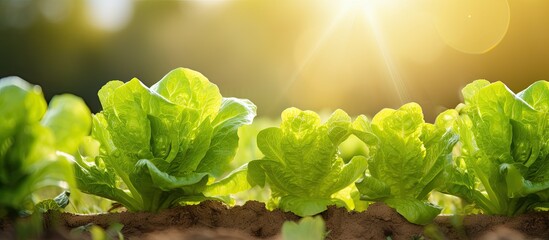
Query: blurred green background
[358, 55]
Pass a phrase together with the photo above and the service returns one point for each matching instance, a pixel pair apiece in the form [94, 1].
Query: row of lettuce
[173, 143]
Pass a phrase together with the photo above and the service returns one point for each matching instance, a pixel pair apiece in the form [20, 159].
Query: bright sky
[359, 55]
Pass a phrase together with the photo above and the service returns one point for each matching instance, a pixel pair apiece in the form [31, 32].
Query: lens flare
[472, 26]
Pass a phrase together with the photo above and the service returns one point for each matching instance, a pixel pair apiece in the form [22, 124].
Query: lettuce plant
[31, 135]
[302, 165]
[163, 145]
[308, 228]
[503, 161]
[406, 160]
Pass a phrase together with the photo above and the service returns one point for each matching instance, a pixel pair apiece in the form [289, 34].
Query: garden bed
[213, 220]
[173, 143]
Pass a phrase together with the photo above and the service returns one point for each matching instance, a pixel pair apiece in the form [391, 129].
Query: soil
[213, 220]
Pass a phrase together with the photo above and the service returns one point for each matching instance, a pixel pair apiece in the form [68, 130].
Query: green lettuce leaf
[406, 161]
[308, 228]
[503, 163]
[414, 210]
[32, 138]
[302, 165]
[63, 112]
[166, 144]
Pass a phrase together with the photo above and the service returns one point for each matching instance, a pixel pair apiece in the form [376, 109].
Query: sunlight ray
[315, 48]
[394, 75]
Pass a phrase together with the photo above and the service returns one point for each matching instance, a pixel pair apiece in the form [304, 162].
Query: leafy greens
[31, 136]
[308, 228]
[503, 161]
[406, 160]
[166, 144]
[302, 165]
